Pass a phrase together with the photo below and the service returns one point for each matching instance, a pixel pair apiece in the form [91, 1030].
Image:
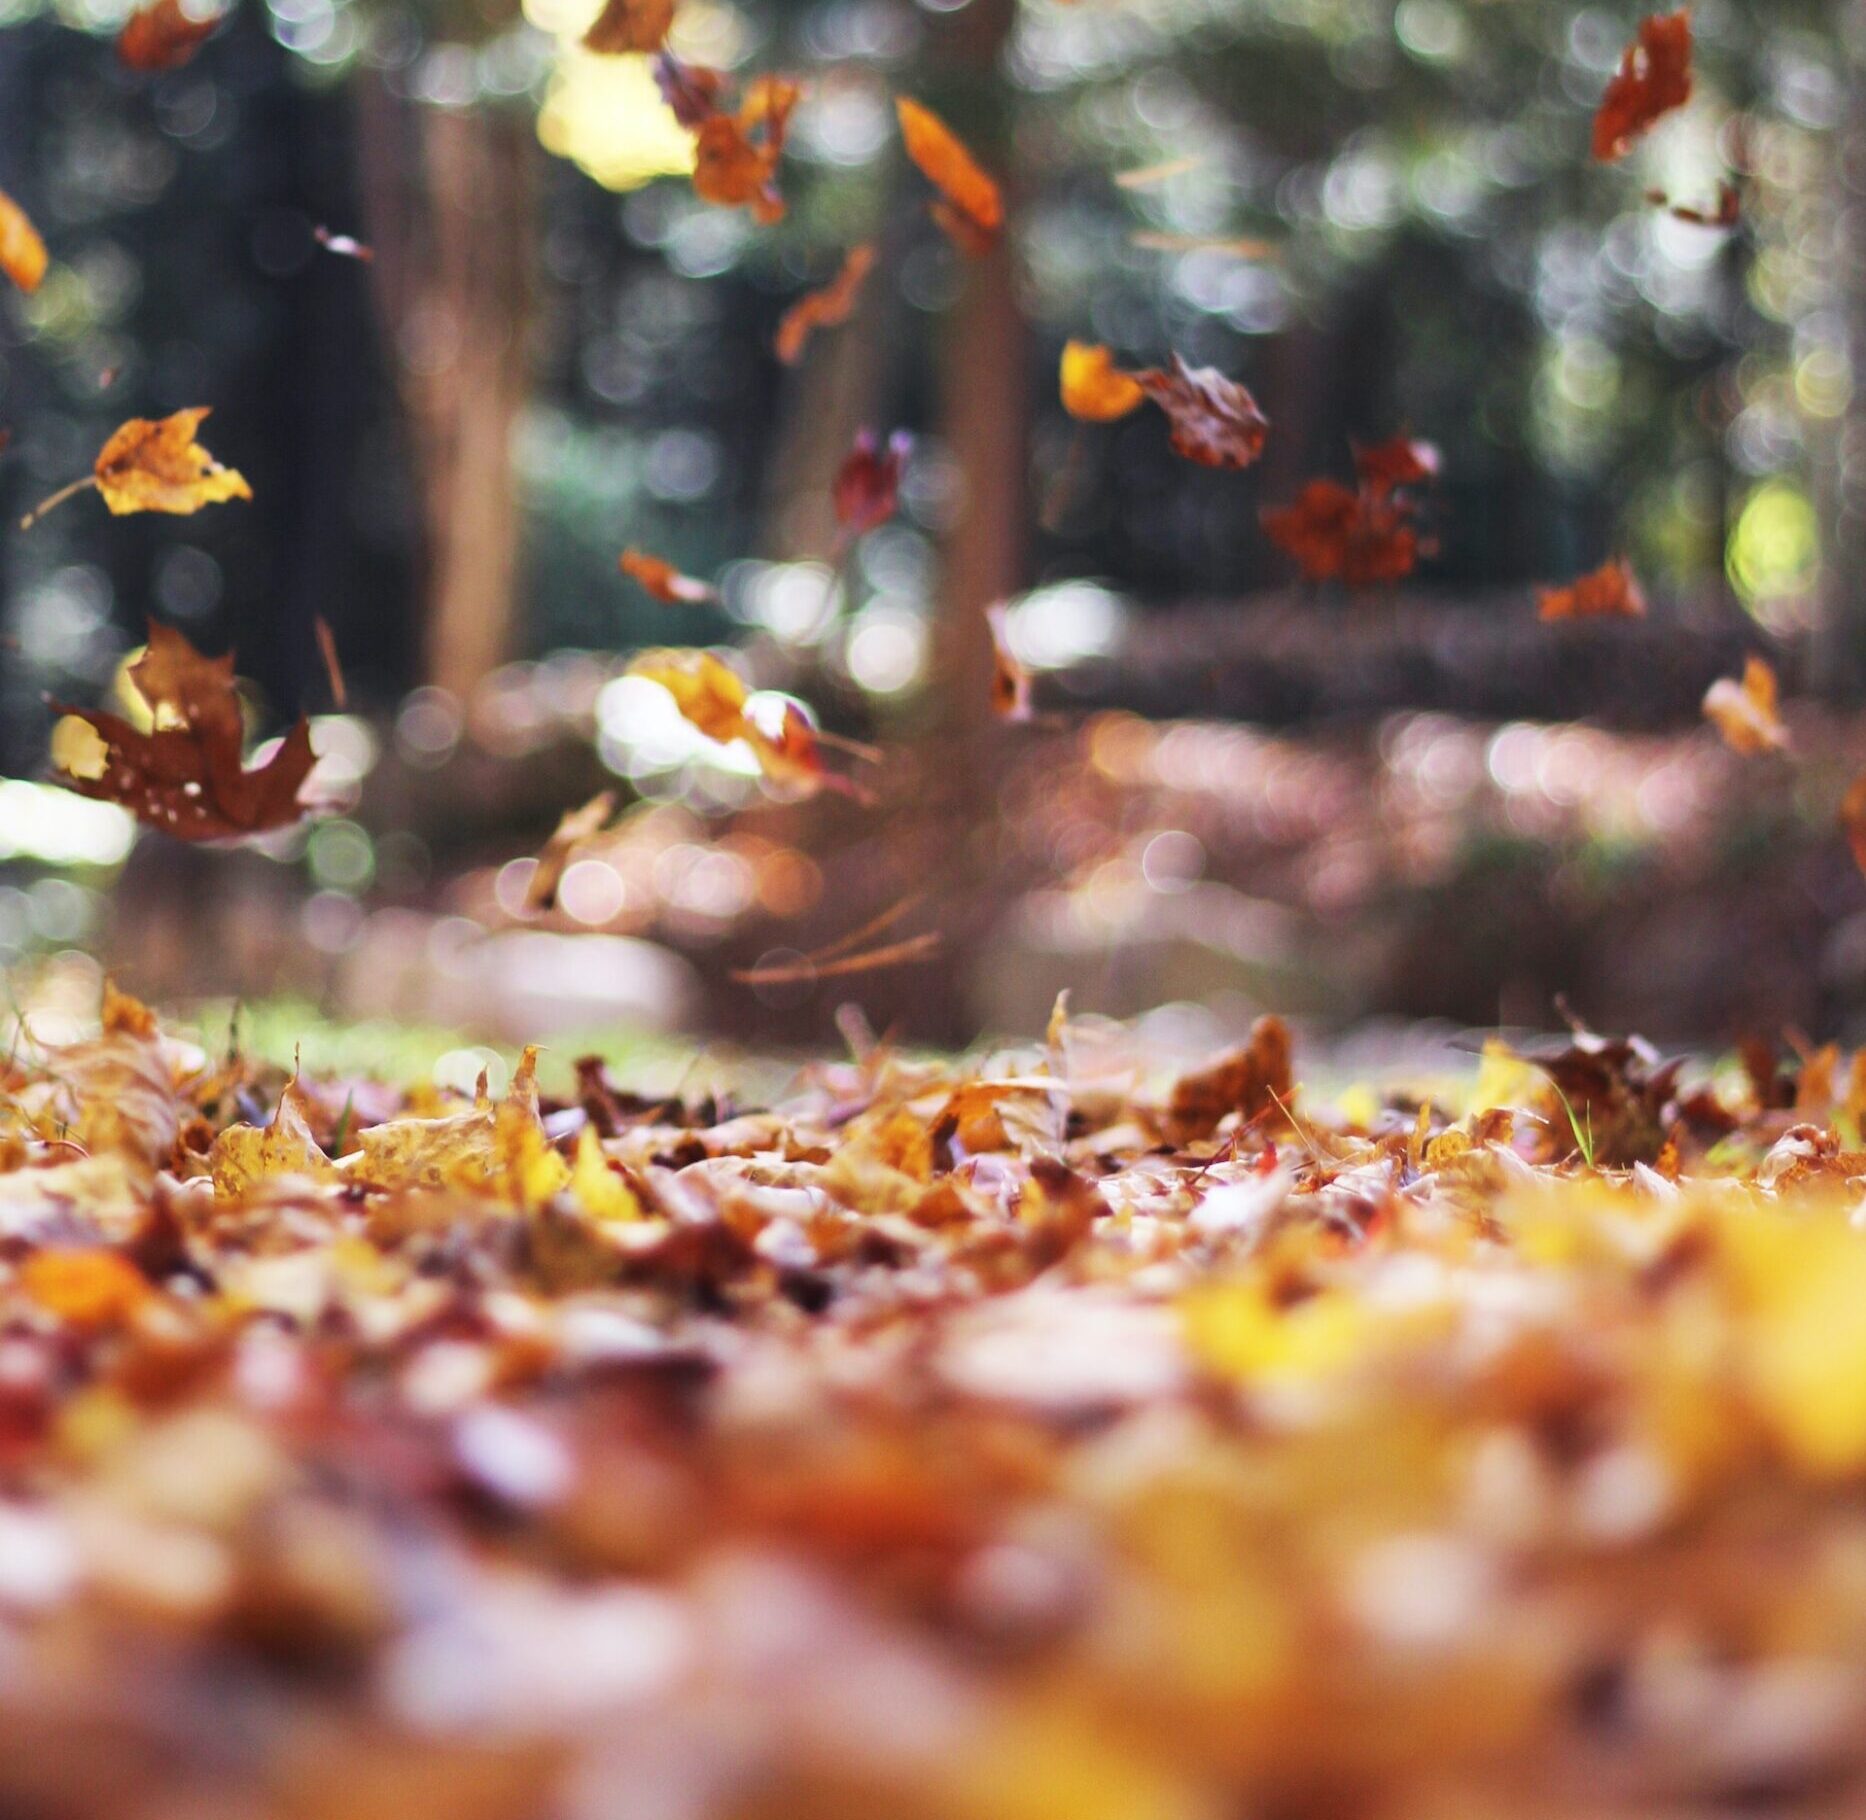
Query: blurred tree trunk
[984, 402]
[1840, 646]
[449, 205]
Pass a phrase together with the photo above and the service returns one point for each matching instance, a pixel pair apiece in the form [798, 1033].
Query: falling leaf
[1215, 421]
[1853, 822]
[22, 252]
[1093, 387]
[661, 579]
[1609, 592]
[1745, 712]
[186, 776]
[574, 827]
[691, 90]
[736, 155]
[163, 36]
[333, 669]
[1398, 462]
[1653, 78]
[824, 308]
[1010, 681]
[342, 245]
[713, 698]
[154, 466]
[971, 209]
[1336, 533]
[866, 491]
[629, 25]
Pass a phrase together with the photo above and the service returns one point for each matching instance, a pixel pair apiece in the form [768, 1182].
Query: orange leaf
[151, 466]
[1653, 78]
[661, 579]
[1853, 819]
[971, 210]
[22, 252]
[824, 308]
[1745, 712]
[1337, 534]
[187, 776]
[1010, 681]
[92, 1288]
[1093, 387]
[1609, 592]
[1397, 462]
[1215, 421]
[630, 25]
[161, 36]
[729, 170]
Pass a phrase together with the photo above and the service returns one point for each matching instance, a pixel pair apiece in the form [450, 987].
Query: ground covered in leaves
[998, 1441]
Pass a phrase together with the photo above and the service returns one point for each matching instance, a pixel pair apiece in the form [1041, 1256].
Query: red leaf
[1336, 534]
[868, 484]
[1653, 78]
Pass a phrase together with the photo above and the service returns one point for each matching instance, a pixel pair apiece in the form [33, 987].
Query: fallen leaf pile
[974, 1442]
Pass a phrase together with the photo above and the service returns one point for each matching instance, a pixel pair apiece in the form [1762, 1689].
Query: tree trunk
[449, 202]
[1839, 652]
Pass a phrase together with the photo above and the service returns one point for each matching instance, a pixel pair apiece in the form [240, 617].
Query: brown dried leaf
[1215, 421]
[186, 776]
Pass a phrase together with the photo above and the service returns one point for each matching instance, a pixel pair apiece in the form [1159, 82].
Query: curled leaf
[1215, 421]
[970, 209]
[163, 35]
[1609, 592]
[1653, 78]
[345, 246]
[661, 579]
[22, 252]
[186, 776]
[629, 25]
[866, 491]
[1745, 712]
[1094, 389]
[824, 308]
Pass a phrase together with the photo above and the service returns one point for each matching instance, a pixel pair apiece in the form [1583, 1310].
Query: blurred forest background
[1378, 214]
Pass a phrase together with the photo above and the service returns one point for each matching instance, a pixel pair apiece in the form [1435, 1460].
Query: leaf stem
[56, 499]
